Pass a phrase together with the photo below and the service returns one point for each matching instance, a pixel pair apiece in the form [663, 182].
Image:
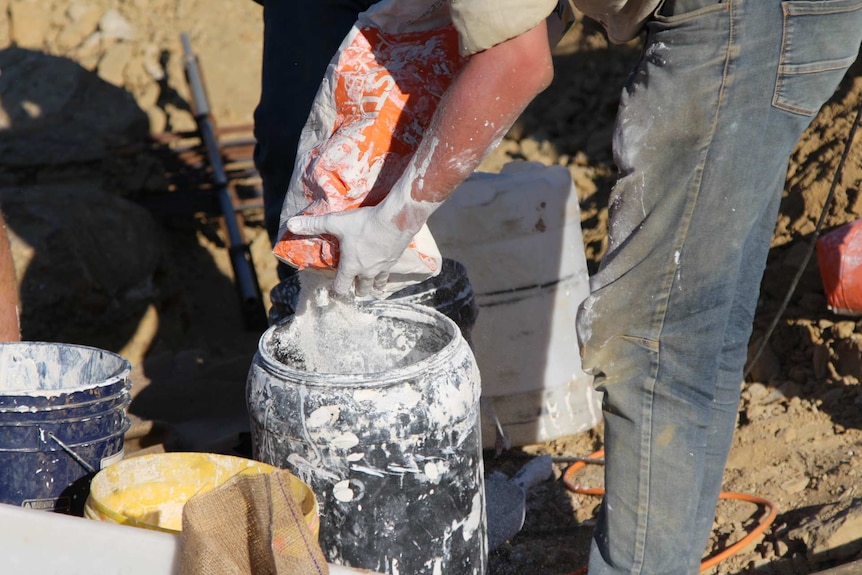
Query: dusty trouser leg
[300, 38]
[705, 127]
[725, 402]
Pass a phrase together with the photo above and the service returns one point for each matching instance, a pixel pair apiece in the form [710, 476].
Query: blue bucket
[62, 418]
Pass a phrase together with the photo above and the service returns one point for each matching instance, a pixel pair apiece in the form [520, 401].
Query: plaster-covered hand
[371, 239]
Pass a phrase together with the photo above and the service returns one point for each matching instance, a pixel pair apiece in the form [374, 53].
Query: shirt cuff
[482, 24]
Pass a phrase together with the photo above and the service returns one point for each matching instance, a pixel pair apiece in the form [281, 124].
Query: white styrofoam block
[44, 543]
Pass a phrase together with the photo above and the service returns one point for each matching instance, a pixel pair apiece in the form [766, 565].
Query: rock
[757, 391]
[115, 27]
[83, 20]
[795, 485]
[81, 10]
[844, 329]
[30, 23]
[834, 532]
[80, 117]
[86, 262]
[89, 53]
[113, 63]
[781, 393]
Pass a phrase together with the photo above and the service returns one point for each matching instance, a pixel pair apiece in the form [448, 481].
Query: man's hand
[367, 263]
[371, 239]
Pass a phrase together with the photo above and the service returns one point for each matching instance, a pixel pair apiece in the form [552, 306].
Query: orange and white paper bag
[377, 98]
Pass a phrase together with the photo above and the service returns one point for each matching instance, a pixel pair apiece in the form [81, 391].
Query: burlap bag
[251, 524]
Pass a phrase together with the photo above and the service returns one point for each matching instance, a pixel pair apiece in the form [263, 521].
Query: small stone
[84, 20]
[78, 10]
[755, 412]
[113, 63]
[30, 23]
[90, 49]
[795, 485]
[114, 26]
[844, 329]
[757, 390]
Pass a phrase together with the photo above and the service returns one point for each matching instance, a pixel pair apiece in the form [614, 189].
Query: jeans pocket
[671, 10]
[820, 41]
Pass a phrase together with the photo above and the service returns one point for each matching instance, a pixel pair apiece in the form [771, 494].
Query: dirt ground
[106, 257]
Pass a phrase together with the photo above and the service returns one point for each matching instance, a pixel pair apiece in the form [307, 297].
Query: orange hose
[709, 562]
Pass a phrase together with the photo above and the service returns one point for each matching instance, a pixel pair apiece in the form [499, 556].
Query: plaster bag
[377, 98]
[839, 255]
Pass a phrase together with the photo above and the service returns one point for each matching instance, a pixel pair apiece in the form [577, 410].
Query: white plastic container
[519, 235]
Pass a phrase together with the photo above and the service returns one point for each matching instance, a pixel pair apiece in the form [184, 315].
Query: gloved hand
[371, 239]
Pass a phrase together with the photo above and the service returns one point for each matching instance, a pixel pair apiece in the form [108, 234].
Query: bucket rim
[375, 379]
[120, 374]
[167, 460]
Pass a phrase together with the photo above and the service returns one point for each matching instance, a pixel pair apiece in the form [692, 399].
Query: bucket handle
[70, 451]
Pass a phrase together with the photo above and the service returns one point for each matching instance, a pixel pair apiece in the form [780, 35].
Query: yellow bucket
[150, 491]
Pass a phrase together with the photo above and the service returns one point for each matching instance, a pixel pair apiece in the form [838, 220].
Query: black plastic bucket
[449, 292]
[62, 418]
[394, 454]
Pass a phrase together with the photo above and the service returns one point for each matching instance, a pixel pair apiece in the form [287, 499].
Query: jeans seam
[667, 290]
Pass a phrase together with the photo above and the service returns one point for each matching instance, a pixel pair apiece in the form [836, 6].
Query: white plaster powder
[331, 335]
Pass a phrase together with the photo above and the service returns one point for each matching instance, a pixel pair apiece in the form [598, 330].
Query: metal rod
[240, 255]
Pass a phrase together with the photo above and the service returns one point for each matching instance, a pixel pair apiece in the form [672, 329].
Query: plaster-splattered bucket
[149, 491]
[62, 418]
[394, 456]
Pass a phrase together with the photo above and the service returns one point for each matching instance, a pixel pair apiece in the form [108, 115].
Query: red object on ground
[839, 253]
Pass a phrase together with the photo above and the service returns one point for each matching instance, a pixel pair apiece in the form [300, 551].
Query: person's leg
[299, 40]
[725, 403]
[706, 125]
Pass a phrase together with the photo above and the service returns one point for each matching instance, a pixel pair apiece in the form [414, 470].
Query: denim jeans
[705, 127]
